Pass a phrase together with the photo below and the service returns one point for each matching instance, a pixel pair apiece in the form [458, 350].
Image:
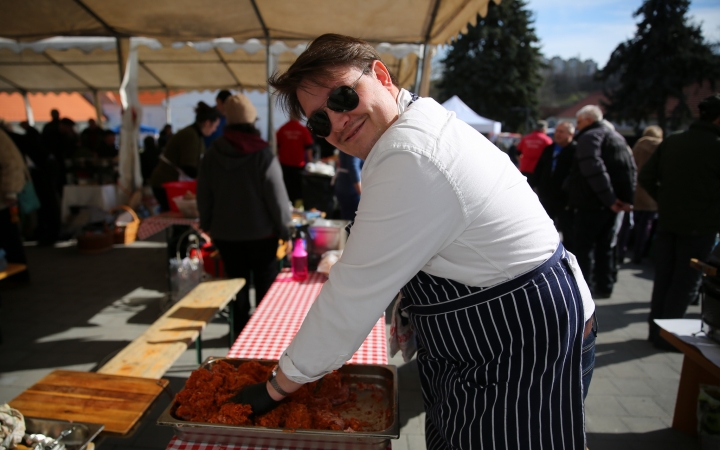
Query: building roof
[694, 94]
[594, 98]
[71, 105]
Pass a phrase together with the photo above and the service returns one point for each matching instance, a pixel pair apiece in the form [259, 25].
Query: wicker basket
[89, 243]
[126, 234]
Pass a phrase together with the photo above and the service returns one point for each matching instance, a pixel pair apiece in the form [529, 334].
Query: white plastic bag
[402, 334]
[187, 272]
[12, 427]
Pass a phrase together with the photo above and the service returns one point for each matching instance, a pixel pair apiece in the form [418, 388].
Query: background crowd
[608, 200]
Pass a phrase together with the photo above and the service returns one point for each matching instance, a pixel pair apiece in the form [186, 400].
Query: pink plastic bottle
[299, 261]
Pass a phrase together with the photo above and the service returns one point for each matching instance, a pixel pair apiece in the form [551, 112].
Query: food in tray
[189, 195]
[326, 404]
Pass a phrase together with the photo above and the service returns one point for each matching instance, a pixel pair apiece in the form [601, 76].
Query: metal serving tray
[383, 377]
[82, 433]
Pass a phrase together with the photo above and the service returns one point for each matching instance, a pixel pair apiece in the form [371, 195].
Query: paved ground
[80, 309]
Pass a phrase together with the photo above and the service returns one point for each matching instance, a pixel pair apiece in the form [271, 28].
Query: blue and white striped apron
[500, 366]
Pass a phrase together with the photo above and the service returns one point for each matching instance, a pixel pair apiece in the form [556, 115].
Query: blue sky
[591, 29]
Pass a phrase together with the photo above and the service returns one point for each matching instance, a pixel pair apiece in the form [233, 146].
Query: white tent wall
[467, 115]
[154, 116]
[182, 108]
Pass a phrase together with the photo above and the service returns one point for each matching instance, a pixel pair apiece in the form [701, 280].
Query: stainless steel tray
[383, 377]
[82, 433]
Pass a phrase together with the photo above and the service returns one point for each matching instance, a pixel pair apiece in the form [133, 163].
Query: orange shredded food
[315, 405]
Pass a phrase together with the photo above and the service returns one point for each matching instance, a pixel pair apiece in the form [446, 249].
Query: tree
[495, 67]
[666, 55]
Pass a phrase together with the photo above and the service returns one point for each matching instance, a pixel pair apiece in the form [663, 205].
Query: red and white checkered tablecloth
[280, 314]
[269, 332]
[155, 224]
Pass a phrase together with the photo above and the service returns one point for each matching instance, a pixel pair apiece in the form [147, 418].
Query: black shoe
[602, 294]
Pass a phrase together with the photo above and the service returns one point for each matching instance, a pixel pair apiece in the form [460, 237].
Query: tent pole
[123, 49]
[28, 109]
[98, 107]
[168, 112]
[428, 53]
[418, 69]
[269, 66]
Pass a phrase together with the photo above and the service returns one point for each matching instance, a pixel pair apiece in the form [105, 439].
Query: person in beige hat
[242, 202]
[240, 110]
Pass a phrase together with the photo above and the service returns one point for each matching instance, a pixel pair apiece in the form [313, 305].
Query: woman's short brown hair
[324, 59]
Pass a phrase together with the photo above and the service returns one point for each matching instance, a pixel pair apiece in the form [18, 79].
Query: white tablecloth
[103, 197]
[689, 331]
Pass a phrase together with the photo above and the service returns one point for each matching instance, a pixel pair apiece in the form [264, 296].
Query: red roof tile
[693, 96]
[71, 105]
[594, 98]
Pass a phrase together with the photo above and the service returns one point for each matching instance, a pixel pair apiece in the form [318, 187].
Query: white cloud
[594, 28]
[709, 19]
[594, 42]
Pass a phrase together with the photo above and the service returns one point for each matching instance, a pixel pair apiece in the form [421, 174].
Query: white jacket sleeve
[407, 214]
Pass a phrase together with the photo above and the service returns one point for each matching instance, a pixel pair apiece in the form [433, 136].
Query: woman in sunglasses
[500, 309]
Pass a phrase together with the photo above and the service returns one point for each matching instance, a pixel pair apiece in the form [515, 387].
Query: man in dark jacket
[602, 183]
[550, 179]
[683, 176]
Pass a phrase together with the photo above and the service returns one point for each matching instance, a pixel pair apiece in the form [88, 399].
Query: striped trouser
[500, 367]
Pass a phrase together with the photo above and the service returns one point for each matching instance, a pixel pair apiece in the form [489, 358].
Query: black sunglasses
[341, 99]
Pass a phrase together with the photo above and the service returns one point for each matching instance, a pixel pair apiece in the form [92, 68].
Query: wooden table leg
[691, 377]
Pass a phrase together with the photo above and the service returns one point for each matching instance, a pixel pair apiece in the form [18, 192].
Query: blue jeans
[588, 358]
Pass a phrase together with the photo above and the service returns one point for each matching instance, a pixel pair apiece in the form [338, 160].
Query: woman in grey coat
[243, 203]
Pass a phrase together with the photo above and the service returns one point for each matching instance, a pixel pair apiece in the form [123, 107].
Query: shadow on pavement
[65, 315]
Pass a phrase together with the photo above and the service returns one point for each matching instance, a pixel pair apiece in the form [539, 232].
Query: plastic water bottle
[299, 261]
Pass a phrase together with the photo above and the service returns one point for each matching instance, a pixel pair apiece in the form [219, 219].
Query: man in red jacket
[294, 149]
[531, 147]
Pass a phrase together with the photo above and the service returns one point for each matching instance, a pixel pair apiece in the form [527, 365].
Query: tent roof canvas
[467, 115]
[223, 63]
[423, 21]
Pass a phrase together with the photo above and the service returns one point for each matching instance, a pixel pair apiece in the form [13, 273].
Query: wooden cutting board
[115, 401]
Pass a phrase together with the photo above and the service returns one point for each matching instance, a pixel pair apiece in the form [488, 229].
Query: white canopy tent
[421, 22]
[401, 21]
[92, 64]
[467, 115]
[279, 25]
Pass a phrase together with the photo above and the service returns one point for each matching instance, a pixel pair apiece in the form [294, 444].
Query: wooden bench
[157, 349]
[10, 270]
[696, 370]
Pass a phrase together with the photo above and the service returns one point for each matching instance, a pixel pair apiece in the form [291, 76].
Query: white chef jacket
[437, 197]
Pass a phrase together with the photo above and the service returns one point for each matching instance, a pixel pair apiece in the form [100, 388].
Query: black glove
[257, 396]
